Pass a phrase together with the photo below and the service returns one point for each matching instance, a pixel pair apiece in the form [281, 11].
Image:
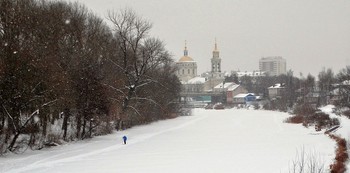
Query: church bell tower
[216, 60]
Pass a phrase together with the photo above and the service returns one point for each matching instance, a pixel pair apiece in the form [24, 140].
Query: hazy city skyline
[309, 34]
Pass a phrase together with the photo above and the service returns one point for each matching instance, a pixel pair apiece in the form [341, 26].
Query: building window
[183, 71]
[188, 71]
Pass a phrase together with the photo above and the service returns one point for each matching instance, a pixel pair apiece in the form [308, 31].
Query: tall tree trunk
[66, 115]
[84, 126]
[2, 124]
[78, 125]
[44, 124]
[90, 128]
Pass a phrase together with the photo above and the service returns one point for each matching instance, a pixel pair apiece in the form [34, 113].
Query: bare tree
[306, 163]
[56, 60]
[21, 87]
[138, 55]
[310, 83]
[326, 79]
[51, 61]
[343, 86]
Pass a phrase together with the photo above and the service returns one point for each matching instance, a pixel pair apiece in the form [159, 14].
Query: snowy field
[242, 141]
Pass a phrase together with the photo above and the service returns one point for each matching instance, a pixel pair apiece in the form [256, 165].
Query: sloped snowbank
[344, 129]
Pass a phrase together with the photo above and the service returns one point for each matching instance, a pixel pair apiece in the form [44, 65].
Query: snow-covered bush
[319, 119]
[296, 119]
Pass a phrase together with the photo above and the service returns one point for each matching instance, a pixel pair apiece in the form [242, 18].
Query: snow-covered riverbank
[232, 140]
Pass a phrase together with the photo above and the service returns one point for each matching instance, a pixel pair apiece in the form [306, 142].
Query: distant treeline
[65, 75]
[330, 88]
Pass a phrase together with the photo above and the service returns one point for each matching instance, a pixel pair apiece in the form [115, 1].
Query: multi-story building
[273, 66]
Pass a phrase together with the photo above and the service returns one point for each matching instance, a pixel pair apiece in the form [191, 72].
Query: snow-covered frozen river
[233, 140]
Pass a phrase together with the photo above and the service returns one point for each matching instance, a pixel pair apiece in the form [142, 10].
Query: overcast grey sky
[309, 34]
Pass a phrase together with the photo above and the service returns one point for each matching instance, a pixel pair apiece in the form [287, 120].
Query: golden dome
[185, 59]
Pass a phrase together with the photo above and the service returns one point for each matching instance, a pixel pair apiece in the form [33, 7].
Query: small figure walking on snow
[124, 139]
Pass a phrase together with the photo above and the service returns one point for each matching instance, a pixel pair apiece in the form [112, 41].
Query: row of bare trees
[66, 75]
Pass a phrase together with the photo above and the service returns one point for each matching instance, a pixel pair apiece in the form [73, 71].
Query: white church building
[187, 70]
[187, 67]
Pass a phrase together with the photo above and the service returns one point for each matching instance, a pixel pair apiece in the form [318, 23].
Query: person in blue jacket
[124, 139]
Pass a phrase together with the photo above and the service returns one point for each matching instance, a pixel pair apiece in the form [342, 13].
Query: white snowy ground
[242, 141]
[344, 129]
